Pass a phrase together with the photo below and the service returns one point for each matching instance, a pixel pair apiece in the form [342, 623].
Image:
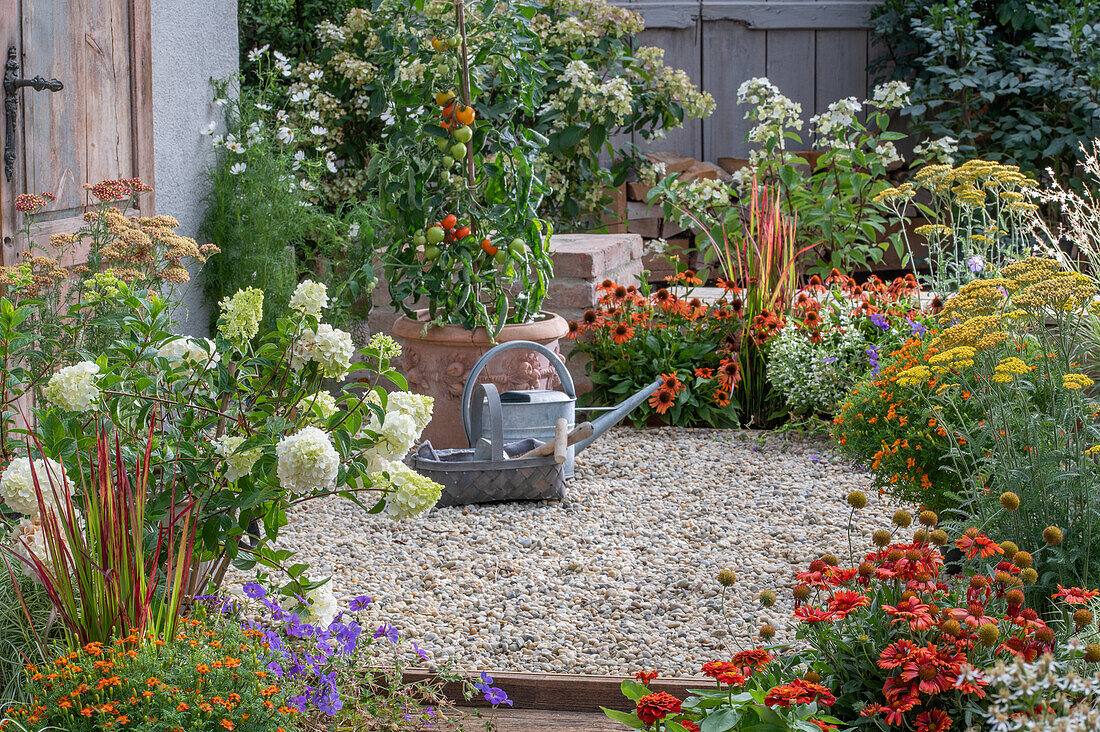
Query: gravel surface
[619, 577]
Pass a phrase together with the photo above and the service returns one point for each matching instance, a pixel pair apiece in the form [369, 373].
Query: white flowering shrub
[828, 175]
[1045, 695]
[240, 427]
[814, 373]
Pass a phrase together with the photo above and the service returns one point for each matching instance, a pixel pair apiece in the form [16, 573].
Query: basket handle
[468, 390]
[496, 421]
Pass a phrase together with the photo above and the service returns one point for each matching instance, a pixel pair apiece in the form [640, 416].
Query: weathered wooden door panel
[99, 126]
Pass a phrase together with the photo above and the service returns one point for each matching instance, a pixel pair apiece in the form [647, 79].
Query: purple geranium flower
[387, 631]
[918, 328]
[255, 591]
[872, 358]
[420, 652]
[976, 263]
[496, 696]
[359, 603]
[880, 320]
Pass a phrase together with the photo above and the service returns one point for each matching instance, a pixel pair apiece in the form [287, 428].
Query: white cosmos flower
[330, 162]
[313, 115]
[353, 230]
[234, 146]
[237, 168]
[263, 107]
[208, 129]
[318, 130]
[306, 185]
[285, 135]
[299, 156]
[316, 75]
[302, 95]
[255, 53]
[281, 115]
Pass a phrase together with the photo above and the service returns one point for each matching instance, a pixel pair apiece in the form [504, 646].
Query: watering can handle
[468, 390]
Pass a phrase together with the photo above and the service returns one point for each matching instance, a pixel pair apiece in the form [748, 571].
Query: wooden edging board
[562, 692]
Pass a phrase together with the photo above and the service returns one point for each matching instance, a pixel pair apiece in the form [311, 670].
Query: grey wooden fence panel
[815, 51]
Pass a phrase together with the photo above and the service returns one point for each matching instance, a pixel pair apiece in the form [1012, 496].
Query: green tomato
[459, 151]
[500, 257]
[518, 247]
[442, 143]
[455, 41]
[419, 239]
[448, 161]
[431, 252]
[435, 235]
[464, 134]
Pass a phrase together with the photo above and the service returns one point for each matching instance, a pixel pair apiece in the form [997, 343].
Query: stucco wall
[193, 41]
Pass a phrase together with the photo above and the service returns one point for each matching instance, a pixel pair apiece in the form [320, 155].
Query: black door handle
[12, 84]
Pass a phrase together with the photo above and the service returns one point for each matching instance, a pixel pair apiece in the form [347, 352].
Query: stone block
[590, 255]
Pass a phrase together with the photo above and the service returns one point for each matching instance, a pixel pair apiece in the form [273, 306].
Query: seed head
[767, 631]
[951, 627]
[972, 532]
[801, 592]
[1082, 617]
[830, 559]
[902, 518]
[812, 676]
[894, 555]
[1010, 549]
[920, 536]
[909, 595]
[857, 499]
[1052, 535]
[1092, 653]
[727, 578]
[1010, 501]
[767, 598]
[866, 569]
[978, 582]
[939, 537]
[1003, 577]
[1029, 576]
[914, 555]
[928, 518]
[881, 537]
[1014, 597]
[1023, 560]
[1045, 634]
[988, 635]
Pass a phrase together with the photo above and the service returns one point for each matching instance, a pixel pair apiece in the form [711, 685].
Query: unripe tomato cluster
[457, 121]
[448, 231]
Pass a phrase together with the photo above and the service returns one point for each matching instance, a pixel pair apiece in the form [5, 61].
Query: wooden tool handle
[581, 432]
[561, 437]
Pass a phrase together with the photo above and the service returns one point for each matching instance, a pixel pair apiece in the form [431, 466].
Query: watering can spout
[609, 419]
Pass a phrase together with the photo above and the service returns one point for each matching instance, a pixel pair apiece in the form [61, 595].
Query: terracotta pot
[436, 362]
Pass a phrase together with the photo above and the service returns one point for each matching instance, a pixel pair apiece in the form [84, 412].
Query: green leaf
[629, 719]
[632, 690]
[721, 721]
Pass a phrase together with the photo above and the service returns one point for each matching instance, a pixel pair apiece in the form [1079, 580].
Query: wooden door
[100, 125]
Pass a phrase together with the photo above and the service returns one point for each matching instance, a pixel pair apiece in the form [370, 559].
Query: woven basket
[485, 475]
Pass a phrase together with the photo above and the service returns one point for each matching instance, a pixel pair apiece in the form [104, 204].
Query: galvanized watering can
[533, 413]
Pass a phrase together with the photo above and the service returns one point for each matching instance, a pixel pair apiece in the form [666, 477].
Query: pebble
[622, 575]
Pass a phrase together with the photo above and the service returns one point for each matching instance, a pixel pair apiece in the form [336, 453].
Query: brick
[637, 191]
[590, 255]
[570, 292]
[646, 228]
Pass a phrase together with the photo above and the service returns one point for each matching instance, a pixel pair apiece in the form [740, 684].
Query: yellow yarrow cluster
[979, 297]
[977, 332]
[913, 376]
[1008, 369]
[1066, 291]
[903, 192]
[953, 358]
[1076, 381]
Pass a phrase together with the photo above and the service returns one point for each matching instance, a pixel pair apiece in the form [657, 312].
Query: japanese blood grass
[27, 630]
[97, 570]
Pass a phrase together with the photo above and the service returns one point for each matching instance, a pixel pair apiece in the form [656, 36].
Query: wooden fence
[815, 51]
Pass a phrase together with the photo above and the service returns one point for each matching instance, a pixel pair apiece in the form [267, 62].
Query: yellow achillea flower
[1093, 450]
[1012, 365]
[957, 357]
[1076, 381]
[933, 230]
[913, 376]
[904, 191]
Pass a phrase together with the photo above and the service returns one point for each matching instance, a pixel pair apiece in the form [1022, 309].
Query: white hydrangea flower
[330, 347]
[28, 541]
[238, 464]
[17, 484]
[417, 406]
[386, 346]
[887, 152]
[407, 415]
[322, 606]
[73, 388]
[307, 461]
[191, 350]
[409, 493]
[891, 95]
[309, 298]
[942, 149]
[324, 404]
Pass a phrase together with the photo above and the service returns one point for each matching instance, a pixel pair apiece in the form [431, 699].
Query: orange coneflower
[622, 333]
[815, 285]
[619, 292]
[607, 285]
[574, 329]
[696, 309]
[662, 400]
[812, 320]
[672, 383]
[590, 317]
[728, 285]
[721, 397]
[737, 306]
[703, 373]
[729, 373]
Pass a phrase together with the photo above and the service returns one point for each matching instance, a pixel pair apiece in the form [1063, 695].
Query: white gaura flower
[17, 484]
[238, 463]
[237, 168]
[73, 388]
[409, 493]
[307, 461]
[309, 298]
